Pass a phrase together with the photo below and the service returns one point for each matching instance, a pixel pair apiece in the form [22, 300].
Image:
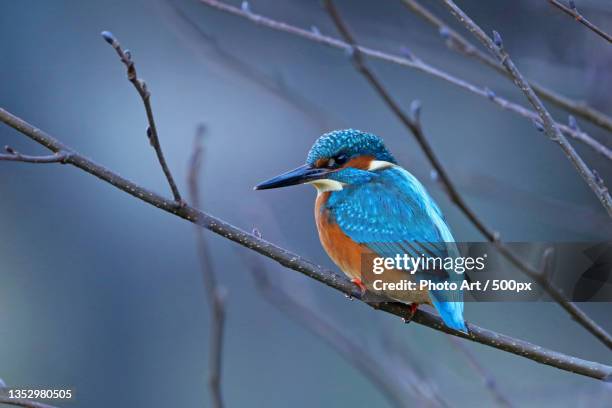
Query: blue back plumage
[391, 213]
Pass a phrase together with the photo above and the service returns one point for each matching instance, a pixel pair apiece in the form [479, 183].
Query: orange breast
[341, 249]
[355, 260]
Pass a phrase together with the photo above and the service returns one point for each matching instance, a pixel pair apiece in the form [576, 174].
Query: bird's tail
[451, 313]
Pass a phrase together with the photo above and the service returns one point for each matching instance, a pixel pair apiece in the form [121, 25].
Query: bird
[368, 206]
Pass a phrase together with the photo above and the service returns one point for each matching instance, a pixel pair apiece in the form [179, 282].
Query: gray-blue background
[102, 293]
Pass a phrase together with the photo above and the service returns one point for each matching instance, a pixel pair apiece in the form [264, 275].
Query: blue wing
[393, 214]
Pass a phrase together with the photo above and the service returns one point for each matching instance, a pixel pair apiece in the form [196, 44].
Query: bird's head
[338, 158]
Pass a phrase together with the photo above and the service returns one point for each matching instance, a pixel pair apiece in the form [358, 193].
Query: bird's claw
[360, 285]
[412, 308]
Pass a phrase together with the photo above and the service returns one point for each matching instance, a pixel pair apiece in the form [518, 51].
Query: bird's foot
[412, 308]
[360, 285]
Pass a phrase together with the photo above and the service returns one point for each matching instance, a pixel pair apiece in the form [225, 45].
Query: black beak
[301, 175]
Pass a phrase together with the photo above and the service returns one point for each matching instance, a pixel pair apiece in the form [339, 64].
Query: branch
[457, 42]
[572, 11]
[545, 120]
[414, 126]
[414, 63]
[145, 95]
[215, 293]
[293, 261]
[13, 155]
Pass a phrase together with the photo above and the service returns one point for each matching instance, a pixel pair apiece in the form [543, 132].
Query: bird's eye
[337, 161]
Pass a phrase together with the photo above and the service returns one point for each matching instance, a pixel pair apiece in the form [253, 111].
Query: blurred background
[103, 294]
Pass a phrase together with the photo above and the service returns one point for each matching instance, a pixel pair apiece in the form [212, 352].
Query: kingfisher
[368, 206]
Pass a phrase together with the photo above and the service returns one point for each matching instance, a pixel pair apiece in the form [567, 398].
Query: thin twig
[19, 402]
[413, 124]
[293, 261]
[545, 119]
[414, 63]
[487, 377]
[356, 355]
[13, 155]
[594, 181]
[572, 11]
[145, 95]
[457, 42]
[214, 293]
[551, 128]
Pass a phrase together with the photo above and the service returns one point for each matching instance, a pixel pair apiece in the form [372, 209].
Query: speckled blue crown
[350, 142]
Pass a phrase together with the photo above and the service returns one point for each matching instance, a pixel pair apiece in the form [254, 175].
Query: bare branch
[293, 261]
[457, 42]
[551, 128]
[145, 95]
[414, 126]
[413, 62]
[13, 155]
[572, 11]
[487, 377]
[214, 293]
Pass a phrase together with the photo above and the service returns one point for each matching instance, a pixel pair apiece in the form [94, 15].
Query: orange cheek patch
[321, 163]
[361, 162]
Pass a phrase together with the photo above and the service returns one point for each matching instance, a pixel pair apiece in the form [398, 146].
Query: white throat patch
[325, 185]
[379, 165]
